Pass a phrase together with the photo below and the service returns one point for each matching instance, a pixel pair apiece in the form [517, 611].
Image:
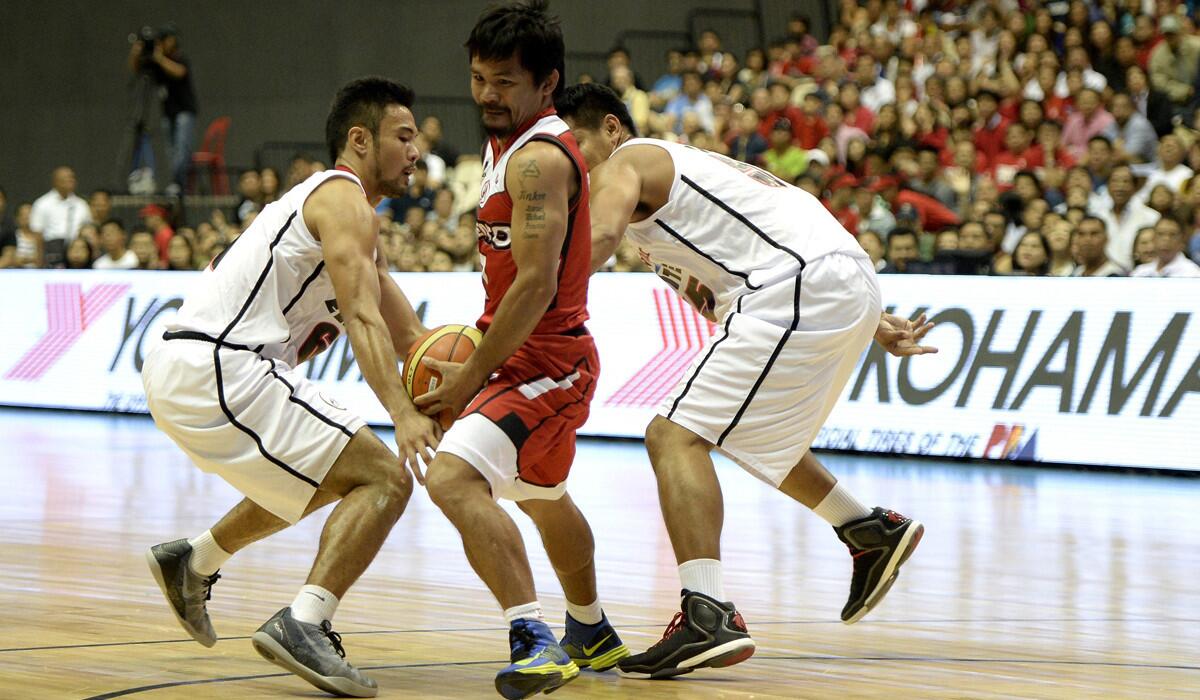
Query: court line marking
[761, 623]
[919, 659]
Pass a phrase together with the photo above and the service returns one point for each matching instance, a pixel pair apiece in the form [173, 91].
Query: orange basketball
[449, 343]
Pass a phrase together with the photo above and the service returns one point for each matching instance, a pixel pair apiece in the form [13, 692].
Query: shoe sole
[908, 543]
[273, 651]
[523, 685]
[160, 578]
[605, 661]
[727, 654]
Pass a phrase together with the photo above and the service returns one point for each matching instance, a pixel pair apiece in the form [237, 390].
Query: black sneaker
[879, 544]
[186, 591]
[704, 634]
[313, 652]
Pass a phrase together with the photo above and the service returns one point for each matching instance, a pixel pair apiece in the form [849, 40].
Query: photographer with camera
[156, 57]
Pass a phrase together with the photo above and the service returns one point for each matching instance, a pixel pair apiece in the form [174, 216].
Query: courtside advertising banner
[1084, 371]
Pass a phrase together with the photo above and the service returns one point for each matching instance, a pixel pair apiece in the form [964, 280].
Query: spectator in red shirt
[781, 107]
[990, 126]
[155, 218]
[1017, 155]
[841, 201]
[810, 126]
[932, 214]
[856, 115]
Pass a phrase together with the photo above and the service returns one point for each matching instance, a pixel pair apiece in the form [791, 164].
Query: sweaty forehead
[399, 117]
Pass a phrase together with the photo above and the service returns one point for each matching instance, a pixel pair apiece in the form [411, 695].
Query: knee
[664, 437]
[445, 485]
[398, 483]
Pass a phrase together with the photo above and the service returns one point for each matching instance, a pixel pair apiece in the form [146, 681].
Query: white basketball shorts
[257, 423]
[772, 372]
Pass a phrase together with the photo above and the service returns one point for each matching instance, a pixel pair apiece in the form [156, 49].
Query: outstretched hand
[901, 336]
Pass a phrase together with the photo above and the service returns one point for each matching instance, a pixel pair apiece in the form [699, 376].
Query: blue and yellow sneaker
[593, 646]
[539, 664]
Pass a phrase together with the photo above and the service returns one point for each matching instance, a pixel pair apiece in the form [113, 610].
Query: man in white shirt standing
[58, 214]
[1171, 262]
[1170, 169]
[1123, 216]
[117, 255]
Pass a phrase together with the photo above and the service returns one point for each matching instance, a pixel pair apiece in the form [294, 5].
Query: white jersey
[269, 291]
[729, 229]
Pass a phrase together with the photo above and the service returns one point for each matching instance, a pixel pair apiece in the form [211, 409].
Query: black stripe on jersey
[303, 287]
[774, 355]
[217, 360]
[294, 399]
[562, 257]
[738, 215]
[687, 387]
[745, 277]
[580, 170]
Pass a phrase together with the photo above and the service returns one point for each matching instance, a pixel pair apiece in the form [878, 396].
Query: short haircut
[1101, 139]
[113, 222]
[101, 190]
[526, 29]
[362, 103]
[901, 232]
[587, 104]
[1089, 217]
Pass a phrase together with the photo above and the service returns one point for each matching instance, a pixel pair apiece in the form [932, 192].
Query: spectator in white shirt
[1122, 215]
[1171, 262]
[117, 256]
[874, 89]
[57, 216]
[1169, 170]
[1089, 243]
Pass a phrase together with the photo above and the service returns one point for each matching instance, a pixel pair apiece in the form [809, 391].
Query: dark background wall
[273, 66]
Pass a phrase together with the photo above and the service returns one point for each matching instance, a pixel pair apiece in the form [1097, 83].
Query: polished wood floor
[1028, 583]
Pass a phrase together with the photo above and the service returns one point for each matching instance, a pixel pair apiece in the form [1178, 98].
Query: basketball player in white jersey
[797, 302]
[223, 386]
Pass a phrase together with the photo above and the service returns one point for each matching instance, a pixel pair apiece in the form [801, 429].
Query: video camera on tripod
[149, 38]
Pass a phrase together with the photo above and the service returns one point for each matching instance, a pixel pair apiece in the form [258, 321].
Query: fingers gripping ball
[449, 343]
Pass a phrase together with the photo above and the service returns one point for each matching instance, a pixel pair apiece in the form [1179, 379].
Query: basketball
[449, 343]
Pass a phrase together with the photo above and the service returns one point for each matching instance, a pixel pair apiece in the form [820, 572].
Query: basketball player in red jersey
[527, 388]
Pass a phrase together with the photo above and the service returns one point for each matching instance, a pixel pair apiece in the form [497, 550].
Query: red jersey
[568, 310]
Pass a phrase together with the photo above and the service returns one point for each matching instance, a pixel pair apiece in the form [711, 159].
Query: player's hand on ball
[455, 391]
[901, 336]
[417, 437]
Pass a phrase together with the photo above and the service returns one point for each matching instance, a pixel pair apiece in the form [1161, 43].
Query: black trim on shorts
[294, 399]
[687, 387]
[304, 287]
[195, 335]
[744, 276]
[774, 355]
[738, 215]
[217, 360]
[514, 429]
[583, 396]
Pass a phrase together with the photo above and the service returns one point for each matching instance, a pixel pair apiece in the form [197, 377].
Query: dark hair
[115, 222]
[900, 231]
[1103, 139]
[101, 190]
[361, 103]
[588, 103]
[191, 252]
[1089, 217]
[1045, 266]
[525, 29]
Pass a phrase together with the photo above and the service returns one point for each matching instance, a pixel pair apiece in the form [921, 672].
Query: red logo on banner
[69, 312]
[684, 332]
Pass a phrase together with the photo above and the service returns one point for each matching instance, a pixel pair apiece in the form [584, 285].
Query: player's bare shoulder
[338, 204]
[538, 163]
[651, 166]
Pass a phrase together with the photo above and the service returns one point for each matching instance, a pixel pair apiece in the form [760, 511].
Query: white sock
[528, 611]
[314, 605]
[587, 614]
[703, 576]
[207, 555]
[839, 507]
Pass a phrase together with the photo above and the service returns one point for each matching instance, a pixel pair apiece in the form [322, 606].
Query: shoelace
[677, 624]
[334, 638]
[208, 584]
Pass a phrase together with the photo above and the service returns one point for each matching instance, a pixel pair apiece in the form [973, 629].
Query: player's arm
[347, 229]
[616, 188]
[538, 179]
[403, 324]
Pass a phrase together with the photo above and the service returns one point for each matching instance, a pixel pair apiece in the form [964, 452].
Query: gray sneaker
[313, 652]
[185, 590]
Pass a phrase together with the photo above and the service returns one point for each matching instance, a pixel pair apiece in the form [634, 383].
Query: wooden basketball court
[1029, 583]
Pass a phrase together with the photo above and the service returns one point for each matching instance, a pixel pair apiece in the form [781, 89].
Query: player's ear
[612, 126]
[550, 84]
[359, 140]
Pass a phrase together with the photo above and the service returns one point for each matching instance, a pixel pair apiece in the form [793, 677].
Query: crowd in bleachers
[990, 137]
